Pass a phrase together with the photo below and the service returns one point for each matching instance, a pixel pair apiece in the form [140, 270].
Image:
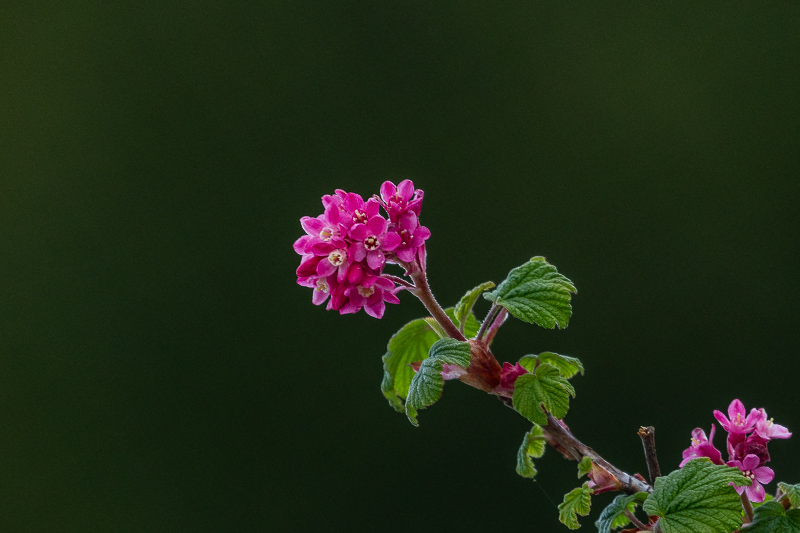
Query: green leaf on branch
[545, 389]
[533, 445]
[697, 498]
[773, 518]
[536, 293]
[613, 516]
[464, 307]
[584, 467]
[576, 502]
[567, 366]
[410, 345]
[792, 492]
[426, 386]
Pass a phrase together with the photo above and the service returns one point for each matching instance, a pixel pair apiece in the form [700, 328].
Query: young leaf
[567, 366]
[426, 387]
[409, 345]
[533, 445]
[584, 467]
[464, 306]
[613, 516]
[576, 502]
[546, 388]
[697, 498]
[792, 492]
[773, 518]
[536, 293]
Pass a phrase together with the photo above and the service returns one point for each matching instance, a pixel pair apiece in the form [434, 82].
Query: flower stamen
[337, 257]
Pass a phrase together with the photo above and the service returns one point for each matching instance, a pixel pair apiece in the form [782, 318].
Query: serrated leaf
[533, 445]
[567, 366]
[409, 345]
[773, 518]
[792, 492]
[546, 388]
[464, 306]
[613, 516]
[426, 386]
[576, 502]
[536, 293]
[697, 498]
[584, 467]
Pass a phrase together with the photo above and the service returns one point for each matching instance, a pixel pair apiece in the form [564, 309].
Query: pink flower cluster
[346, 248]
[748, 436]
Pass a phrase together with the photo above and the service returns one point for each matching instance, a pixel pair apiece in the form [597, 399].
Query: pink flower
[758, 474]
[331, 260]
[737, 422]
[371, 240]
[397, 200]
[702, 447]
[321, 286]
[370, 294]
[766, 429]
[411, 235]
[345, 249]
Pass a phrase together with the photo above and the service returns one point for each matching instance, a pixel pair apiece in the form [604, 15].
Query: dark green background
[161, 371]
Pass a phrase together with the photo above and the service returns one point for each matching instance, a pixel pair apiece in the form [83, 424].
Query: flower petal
[764, 474]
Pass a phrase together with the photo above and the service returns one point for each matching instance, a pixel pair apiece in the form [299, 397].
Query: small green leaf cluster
[533, 446]
[426, 387]
[614, 516]
[412, 344]
[576, 502]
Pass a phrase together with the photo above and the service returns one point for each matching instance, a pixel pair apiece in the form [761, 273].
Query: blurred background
[160, 370]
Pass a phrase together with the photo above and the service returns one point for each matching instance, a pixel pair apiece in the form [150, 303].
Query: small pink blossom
[738, 421]
[702, 447]
[332, 260]
[411, 236]
[757, 474]
[371, 240]
[371, 295]
[397, 200]
[321, 286]
[767, 429]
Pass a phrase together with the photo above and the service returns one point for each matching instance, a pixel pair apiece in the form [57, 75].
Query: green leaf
[536, 293]
[792, 491]
[567, 366]
[426, 386]
[772, 518]
[576, 502]
[613, 516]
[584, 467]
[533, 445]
[409, 345]
[546, 388]
[697, 498]
[464, 307]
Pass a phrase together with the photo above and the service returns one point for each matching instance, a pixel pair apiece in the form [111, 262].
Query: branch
[568, 445]
[423, 292]
[748, 508]
[648, 436]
